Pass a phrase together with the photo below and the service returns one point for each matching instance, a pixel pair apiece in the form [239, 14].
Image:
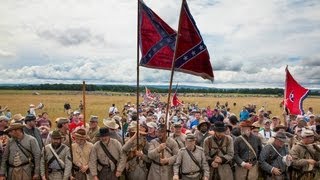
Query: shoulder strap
[115, 162]
[194, 159]
[22, 148]
[249, 145]
[311, 154]
[178, 143]
[55, 156]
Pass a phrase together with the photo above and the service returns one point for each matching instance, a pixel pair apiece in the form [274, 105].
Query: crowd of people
[137, 143]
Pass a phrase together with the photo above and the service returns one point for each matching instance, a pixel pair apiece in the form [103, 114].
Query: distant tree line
[132, 89]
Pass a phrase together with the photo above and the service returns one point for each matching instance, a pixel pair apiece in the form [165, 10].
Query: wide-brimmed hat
[219, 126]
[110, 123]
[133, 128]
[280, 126]
[281, 136]
[103, 132]
[202, 121]
[56, 134]
[246, 124]
[17, 117]
[152, 125]
[307, 133]
[14, 126]
[81, 134]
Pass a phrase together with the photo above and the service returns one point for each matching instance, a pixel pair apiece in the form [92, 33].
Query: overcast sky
[250, 41]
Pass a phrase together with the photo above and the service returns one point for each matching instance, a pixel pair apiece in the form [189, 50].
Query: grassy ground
[99, 102]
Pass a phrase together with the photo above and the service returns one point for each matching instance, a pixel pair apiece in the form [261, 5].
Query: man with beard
[58, 159]
[81, 150]
[137, 159]
[30, 128]
[219, 152]
[21, 157]
[63, 128]
[191, 161]
[162, 151]
[247, 148]
[274, 158]
[306, 157]
[202, 132]
[106, 157]
[177, 135]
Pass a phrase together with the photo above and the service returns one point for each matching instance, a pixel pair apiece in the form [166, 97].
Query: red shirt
[73, 125]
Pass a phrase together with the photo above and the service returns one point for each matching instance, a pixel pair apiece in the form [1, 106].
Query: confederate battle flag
[157, 40]
[191, 55]
[175, 101]
[294, 95]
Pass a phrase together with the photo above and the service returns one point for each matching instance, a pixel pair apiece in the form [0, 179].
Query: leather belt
[23, 164]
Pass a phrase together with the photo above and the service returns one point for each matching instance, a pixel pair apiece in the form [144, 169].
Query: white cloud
[250, 42]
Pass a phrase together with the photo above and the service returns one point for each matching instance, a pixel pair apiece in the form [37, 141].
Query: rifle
[71, 153]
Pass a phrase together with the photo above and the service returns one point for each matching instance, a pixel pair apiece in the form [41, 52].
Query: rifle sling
[54, 157]
[22, 148]
[104, 148]
[193, 159]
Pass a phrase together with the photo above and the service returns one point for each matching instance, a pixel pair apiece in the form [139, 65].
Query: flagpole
[284, 98]
[138, 57]
[84, 102]
[172, 68]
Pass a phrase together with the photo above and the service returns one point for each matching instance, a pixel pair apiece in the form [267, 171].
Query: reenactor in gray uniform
[177, 135]
[93, 129]
[56, 160]
[219, 152]
[63, 127]
[274, 158]
[191, 162]
[21, 157]
[106, 158]
[162, 151]
[81, 150]
[247, 148]
[137, 160]
[306, 156]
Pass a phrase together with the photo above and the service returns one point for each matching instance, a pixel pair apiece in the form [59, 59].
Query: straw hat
[81, 134]
[14, 126]
[110, 123]
[17, 117]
